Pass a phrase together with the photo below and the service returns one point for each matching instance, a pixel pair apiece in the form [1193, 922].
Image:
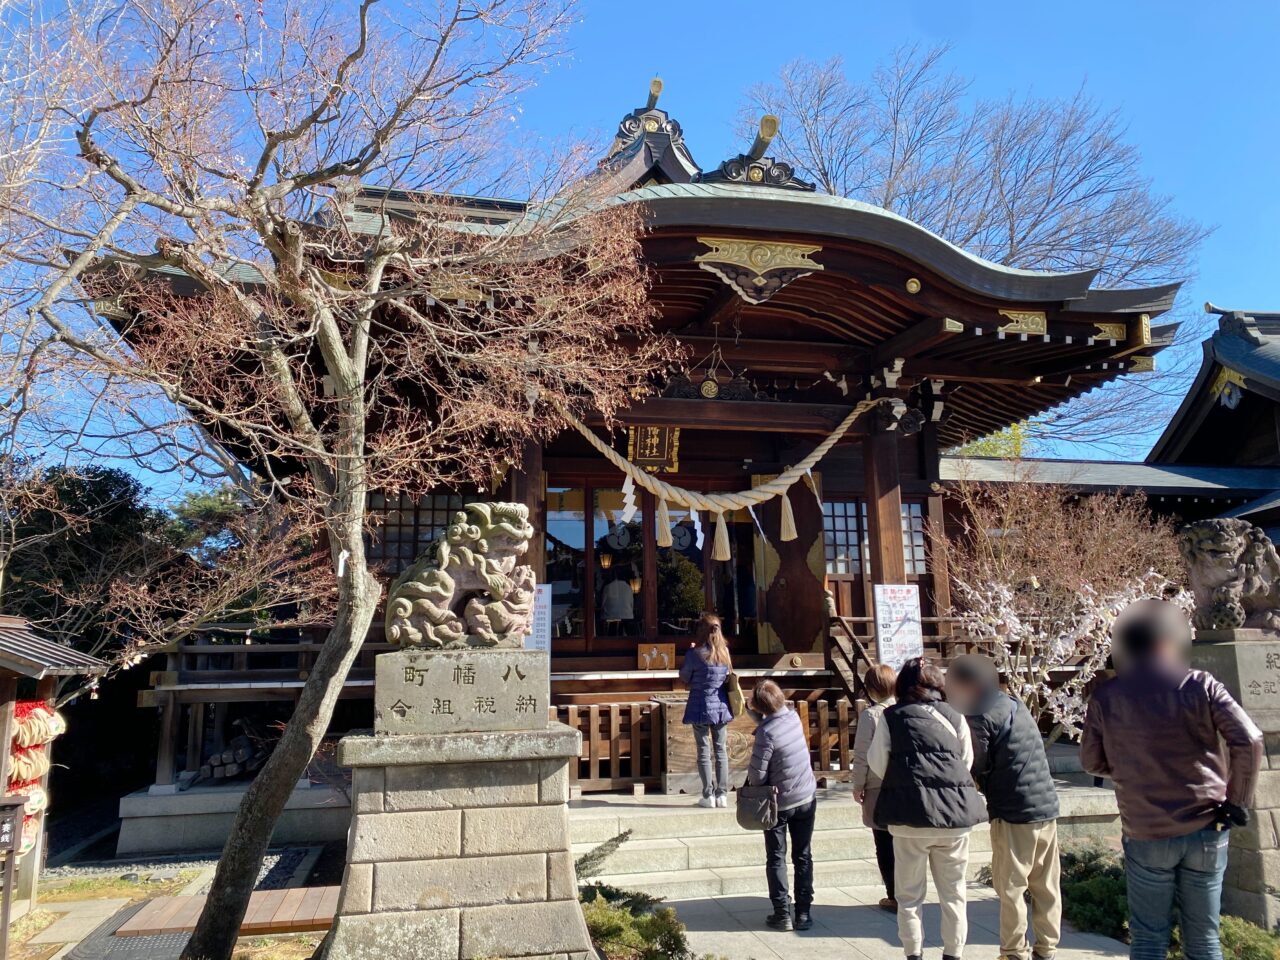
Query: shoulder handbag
[733, 689]
[757, 807]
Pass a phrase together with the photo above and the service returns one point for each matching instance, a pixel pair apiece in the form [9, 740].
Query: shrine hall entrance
[613, 586]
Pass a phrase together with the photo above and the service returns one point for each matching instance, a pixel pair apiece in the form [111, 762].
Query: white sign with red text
[899, 635]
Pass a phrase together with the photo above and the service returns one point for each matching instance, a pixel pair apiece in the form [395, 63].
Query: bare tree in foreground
[1039, 572]
[1044, 184]
[201, 189]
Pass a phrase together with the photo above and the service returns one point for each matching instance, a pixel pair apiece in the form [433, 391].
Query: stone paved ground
[76, 920]
[849, 926]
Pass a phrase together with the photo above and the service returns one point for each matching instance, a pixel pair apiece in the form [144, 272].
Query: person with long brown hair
[705, 672]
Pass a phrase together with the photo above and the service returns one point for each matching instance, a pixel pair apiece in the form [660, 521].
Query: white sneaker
[722, 801]
[707, 802]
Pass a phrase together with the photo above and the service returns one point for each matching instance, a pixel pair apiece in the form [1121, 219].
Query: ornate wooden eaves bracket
[757, 269]
[1228, 388]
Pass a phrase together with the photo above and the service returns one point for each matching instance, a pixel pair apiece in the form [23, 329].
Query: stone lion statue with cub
[1234, 572]
[469, 589]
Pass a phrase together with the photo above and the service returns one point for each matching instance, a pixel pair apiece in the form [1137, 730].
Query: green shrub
[1241, 940]
[591, 863]
[623, 935]
[1098, 906]
[1094, 899]
[1093, 890]
[635, 901]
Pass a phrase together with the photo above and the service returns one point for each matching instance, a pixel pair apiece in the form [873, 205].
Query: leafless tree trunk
[190, 249]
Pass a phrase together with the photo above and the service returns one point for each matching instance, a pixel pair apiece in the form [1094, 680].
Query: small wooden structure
[296, 910]
[29, 667]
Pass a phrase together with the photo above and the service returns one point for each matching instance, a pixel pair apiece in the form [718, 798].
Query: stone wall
[459, 848]
[1248, 664]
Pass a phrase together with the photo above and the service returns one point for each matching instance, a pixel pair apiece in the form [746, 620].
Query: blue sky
[1199, 85]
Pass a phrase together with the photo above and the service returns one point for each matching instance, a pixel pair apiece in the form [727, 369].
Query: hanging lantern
[606, 561]
[635, 584]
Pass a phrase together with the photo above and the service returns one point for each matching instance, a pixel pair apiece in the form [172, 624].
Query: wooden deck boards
[296, 910]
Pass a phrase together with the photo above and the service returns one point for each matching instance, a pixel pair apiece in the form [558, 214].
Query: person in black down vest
[780, 758]
[1012, 771]
[922, 752]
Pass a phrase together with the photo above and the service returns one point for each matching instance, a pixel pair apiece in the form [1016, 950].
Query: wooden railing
[621, 744]
[830, 728]
[851, 647]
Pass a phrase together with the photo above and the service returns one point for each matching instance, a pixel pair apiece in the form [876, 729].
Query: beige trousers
[1024, 857]
[947, 858]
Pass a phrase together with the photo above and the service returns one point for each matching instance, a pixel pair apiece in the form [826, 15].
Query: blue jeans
[711, 738]
[1182, 871]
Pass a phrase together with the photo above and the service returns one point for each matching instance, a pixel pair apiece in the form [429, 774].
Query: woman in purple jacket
[704, 671]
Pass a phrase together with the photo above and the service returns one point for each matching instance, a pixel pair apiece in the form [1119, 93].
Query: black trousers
[884, 858]
[798, 822]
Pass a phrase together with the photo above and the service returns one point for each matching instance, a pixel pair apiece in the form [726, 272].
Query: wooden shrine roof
[25, 652]
[1241, 359]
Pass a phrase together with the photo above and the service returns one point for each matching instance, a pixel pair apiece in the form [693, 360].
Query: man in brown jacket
[1157, 730]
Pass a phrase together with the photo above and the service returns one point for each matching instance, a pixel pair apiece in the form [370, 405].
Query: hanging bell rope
[720, 503]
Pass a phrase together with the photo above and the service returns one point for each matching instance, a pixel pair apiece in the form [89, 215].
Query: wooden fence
[623, 743]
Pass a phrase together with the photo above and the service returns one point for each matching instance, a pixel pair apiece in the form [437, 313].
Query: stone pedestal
[459, 842]
[1248, 664]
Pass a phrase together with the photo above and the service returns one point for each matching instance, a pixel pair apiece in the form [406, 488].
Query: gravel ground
[277, 867]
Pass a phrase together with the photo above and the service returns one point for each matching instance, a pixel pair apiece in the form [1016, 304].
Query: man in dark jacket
[1012, 771]
[1157, 730]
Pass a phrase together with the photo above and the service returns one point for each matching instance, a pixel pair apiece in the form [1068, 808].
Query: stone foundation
[1248, 664]
[459, 848]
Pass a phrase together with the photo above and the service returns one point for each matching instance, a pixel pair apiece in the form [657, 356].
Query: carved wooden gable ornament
[757, 269]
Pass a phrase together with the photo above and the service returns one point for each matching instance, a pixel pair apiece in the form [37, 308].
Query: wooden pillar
[195, 736]
[931, 468]
[8, 695]
[528, 486]
[219, 728]
[884, 506]
[166, 755]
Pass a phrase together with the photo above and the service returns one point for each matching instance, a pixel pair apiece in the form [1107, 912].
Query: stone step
[732, 880]
[595, 825]
[745, 848]
[1086, 811]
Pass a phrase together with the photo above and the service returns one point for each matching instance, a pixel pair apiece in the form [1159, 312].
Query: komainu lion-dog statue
[469, 589]
[1235, 574]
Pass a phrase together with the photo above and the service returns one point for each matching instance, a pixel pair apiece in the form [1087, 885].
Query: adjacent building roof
[1242, 357]
[23, 651]
[1159, 479]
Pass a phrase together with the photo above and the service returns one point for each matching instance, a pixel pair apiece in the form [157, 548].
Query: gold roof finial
[768, 130]
[655, 91]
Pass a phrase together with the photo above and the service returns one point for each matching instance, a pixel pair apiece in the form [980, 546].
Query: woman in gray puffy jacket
[781, 759]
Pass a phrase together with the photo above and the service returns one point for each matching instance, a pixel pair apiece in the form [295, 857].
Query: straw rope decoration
[718, 503]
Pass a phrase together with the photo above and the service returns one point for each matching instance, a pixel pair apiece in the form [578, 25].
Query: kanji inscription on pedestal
[460, 691]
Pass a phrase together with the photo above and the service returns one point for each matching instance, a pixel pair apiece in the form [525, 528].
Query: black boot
[803, 920]
[780, 919]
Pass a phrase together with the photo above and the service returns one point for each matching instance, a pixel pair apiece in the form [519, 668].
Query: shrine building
[797, 309]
